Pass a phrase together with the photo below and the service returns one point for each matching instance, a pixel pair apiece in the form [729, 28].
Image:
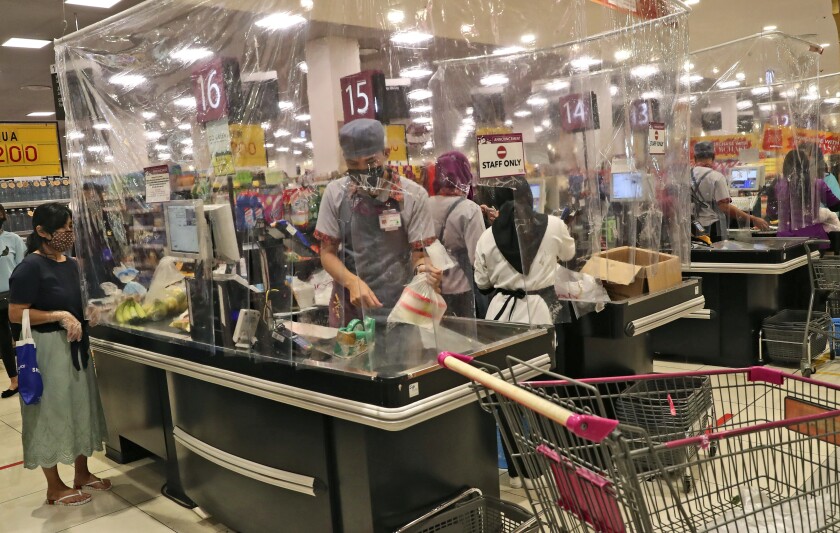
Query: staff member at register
[710, 195]
[373, 227]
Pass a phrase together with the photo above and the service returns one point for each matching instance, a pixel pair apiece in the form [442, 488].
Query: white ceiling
[712, 22]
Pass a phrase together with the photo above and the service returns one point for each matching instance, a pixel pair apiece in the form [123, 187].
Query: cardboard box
[627, 272]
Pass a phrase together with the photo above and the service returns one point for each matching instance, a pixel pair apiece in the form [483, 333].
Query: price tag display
[29, 149]
[579, 112]
[217, 88]
[362, 95]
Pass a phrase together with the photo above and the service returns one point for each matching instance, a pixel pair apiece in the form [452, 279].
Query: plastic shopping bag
[30, 384]
[419, 304]
[586, 293]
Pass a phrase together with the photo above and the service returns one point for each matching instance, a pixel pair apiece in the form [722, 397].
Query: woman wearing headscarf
[517, 256]
[458, 225]
[799, 193]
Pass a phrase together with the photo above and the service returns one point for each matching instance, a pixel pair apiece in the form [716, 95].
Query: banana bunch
[130, 312]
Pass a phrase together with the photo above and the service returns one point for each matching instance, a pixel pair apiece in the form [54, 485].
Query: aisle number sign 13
[362, 95]
[579, 112]
[217, 88]
[29, 149]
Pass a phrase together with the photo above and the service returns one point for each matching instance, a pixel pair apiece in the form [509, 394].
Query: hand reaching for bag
[71, 325]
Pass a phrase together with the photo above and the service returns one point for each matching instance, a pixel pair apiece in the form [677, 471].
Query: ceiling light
[148, 115]
[41, 114]
[304, 117]
[266, 125]
[651, 95]
[282, 133]
[395, 16]
[310, 145]
[715, 70]
[96, 149]
[492, 79]
[557, 85]
[298, 140]
[303, 67]
[528, 38]
[538, 129]
[731, 84]
[128, 80]
[688, 79]
[189, 55]
[811, 97]
[421, 109]
[281, 21]
[761, 91]
[75, 154]
[537, 101]
[623, 55]
[546, 123]
[283, 149]
[297, 152]
[429, 145]
[423, 120]
[187, 151]
[415, 72]
[108, 159]
[470, 110]
[75, 135]
[307, 4]
[187, 142]
[507, 50]
[584, 63]
[187, 101]
[161, 147]
[467, 28]
[692, 2]
[644, 71]
[184, 127]
[740, 76]
[17, 42]
[743, 105]
[688, 65]
[411, 37]
[508, 123]
[522, 113]
[832, 101]
[766, 107]
[825, 45]
[101, 126]
[103, 4]
[153, 135]
[269, 145]
[613, 90]
[420, 94]
[285, 105]
[770, 28]
[164, 157]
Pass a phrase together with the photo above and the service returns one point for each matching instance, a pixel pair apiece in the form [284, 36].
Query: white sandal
[62, 503]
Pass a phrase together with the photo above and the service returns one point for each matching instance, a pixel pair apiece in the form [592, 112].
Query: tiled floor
[135, 504]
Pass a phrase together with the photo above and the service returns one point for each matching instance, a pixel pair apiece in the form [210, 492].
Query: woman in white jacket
[517, 257]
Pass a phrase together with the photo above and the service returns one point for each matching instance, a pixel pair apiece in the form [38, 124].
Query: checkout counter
[744, 282]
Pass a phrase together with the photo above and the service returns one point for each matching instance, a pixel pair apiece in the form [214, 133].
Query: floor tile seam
[150, 516]
[100, 516]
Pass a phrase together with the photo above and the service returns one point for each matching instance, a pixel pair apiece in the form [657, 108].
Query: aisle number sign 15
[216, 87]
[362, 95]
[29, 149]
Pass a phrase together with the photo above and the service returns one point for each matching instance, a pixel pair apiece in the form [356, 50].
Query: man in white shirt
[710, 197]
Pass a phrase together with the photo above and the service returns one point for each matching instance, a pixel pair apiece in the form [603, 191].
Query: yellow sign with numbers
[247, 144]
[29, 149]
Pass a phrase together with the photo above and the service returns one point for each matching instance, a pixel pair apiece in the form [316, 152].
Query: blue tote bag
[29, 377]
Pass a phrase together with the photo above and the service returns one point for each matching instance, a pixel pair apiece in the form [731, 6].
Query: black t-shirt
[47, 285]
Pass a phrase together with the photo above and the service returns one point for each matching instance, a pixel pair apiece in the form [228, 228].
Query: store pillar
[328, 60]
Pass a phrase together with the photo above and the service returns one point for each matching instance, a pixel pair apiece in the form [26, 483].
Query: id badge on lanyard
[390, 220]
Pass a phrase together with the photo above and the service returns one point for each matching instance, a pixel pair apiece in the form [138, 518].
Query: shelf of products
[32, 191]
[34, 203]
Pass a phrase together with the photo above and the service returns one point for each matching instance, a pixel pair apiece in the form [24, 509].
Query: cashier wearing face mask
[373, 226]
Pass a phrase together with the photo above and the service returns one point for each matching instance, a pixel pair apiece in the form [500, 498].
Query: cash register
[745, 182]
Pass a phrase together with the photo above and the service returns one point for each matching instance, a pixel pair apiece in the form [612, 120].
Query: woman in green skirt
[68, 424]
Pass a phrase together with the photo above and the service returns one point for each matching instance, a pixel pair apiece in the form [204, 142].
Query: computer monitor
[627, 187]
[538, 191]
[746, 178]
[225, 245]
[186, 229]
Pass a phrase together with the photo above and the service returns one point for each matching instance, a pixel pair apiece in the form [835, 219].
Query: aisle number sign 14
[501, 155]
[29, 149]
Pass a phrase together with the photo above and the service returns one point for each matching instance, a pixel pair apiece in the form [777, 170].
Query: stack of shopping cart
[473, 512]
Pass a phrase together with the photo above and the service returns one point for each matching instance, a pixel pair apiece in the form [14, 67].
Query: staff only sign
[500, 155]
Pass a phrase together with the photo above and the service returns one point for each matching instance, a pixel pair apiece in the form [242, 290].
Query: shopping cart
[472, 512]
[762, 458]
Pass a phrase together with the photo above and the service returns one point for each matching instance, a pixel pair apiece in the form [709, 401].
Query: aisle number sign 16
[362, 95]
[216, 85]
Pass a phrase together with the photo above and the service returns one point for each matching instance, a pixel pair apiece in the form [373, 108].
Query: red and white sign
[656, 138]
[361, 94]
[500, 155]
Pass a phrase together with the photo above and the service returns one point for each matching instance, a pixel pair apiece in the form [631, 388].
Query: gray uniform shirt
[711, 189]
[463, 229]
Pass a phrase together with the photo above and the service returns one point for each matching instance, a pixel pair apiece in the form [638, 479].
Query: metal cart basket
[472, 512]
[766, 460]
